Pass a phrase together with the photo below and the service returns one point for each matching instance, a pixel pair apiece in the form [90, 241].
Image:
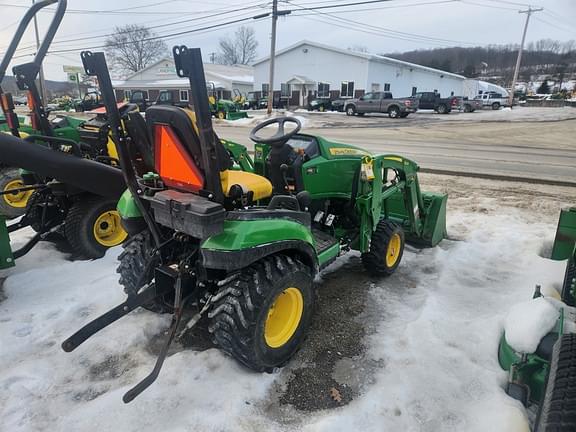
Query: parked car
[493, 100]
[471, 105]
[433, 101]
[90, 101]
[381, 102]
[321, 104]
[338, 104]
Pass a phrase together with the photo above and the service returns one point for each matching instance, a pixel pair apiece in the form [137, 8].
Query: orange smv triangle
[174, 165]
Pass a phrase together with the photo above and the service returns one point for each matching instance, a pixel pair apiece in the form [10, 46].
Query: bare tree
[133, 47]
[241, 49]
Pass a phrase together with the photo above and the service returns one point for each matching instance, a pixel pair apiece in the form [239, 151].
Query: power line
[225, 12]
[386, 31]
[556, 26]
[166, 36]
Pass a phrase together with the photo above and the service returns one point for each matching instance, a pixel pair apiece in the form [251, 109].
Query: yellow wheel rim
[283, 317]
[17, 199]
[108, 230]
[393, 252]
[221, 115]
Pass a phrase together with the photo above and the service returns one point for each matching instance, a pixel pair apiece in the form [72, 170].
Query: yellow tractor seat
[249, 182]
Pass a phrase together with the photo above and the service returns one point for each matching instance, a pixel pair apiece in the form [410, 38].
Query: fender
[245, 242]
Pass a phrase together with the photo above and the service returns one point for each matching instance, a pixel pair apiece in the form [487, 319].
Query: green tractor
[223, 109]
[13, 204]
[242, 240]
[68, 180]
[546, 375]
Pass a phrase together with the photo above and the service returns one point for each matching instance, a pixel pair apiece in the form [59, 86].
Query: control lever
[284, 170]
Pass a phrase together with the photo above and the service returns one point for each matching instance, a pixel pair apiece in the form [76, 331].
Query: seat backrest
[177, 151]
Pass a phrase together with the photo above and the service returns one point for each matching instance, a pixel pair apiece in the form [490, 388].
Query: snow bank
[528, 322]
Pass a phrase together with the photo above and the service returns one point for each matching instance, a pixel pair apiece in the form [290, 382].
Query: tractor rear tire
[557, 411]
[261, 315]
[568, 287]
[386, 249]
[93, 226]
[12, 206]
[136, 269]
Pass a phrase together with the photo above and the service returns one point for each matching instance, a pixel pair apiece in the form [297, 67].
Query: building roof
[363, 55]
[241, 74]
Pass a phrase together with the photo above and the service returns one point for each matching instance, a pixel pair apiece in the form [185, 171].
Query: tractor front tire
[136, 269]
[557, 411]
[261, 315]
[12, 205]
[386, 249]
[93, 226]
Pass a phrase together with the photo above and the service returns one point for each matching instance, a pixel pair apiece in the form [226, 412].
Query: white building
[309, 69]
[162, 76]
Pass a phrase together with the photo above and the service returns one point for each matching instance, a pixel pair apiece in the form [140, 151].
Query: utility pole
[272, 56]
[275, 14]
[42, 81]
[528, 12]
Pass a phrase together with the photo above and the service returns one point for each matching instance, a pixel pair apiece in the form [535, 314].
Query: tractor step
[323, 240]
[6, 256]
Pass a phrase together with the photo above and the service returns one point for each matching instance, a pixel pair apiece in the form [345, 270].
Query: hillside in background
[544, 59]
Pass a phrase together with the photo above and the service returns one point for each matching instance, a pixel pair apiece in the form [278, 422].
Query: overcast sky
[396, 25]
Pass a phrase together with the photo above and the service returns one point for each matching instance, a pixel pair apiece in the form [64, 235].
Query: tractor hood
[94, 177]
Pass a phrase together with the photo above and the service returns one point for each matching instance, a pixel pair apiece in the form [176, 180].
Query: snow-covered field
[431, 335]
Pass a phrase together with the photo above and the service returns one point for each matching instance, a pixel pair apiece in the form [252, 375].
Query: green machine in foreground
[547, 376]
[242, 240]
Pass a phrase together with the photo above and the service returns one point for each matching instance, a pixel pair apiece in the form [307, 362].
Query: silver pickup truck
[381, 102]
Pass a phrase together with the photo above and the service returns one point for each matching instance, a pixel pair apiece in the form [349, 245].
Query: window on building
[386, 86]
[184, 95]
[347, 89]
[265, 88]
[414, 90]
[285, 90]
[375, 87]
[323, 90]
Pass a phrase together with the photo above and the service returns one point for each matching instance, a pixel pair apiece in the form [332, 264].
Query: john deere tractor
[241, 241]
[546, 376]
[62, 174]
[223, 109]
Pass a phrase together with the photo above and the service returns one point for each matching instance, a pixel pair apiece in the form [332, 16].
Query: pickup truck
[493, 100]
[471, 105]
[381, 102]
[433, 101]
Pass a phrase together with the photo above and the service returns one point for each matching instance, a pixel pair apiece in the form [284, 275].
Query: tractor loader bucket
[91, 176]
[6, 258]
[236, 115]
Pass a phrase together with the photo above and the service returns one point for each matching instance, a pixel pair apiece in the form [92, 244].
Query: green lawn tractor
[68, 180]
[240, 240]
[546, 376]
[223, 109]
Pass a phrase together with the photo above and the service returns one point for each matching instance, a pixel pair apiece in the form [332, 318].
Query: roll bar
[48, 38]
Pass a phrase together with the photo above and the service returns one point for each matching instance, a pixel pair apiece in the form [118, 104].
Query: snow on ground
[435, 329]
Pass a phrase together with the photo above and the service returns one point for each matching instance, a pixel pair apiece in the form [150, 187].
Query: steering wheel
[280, 137]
